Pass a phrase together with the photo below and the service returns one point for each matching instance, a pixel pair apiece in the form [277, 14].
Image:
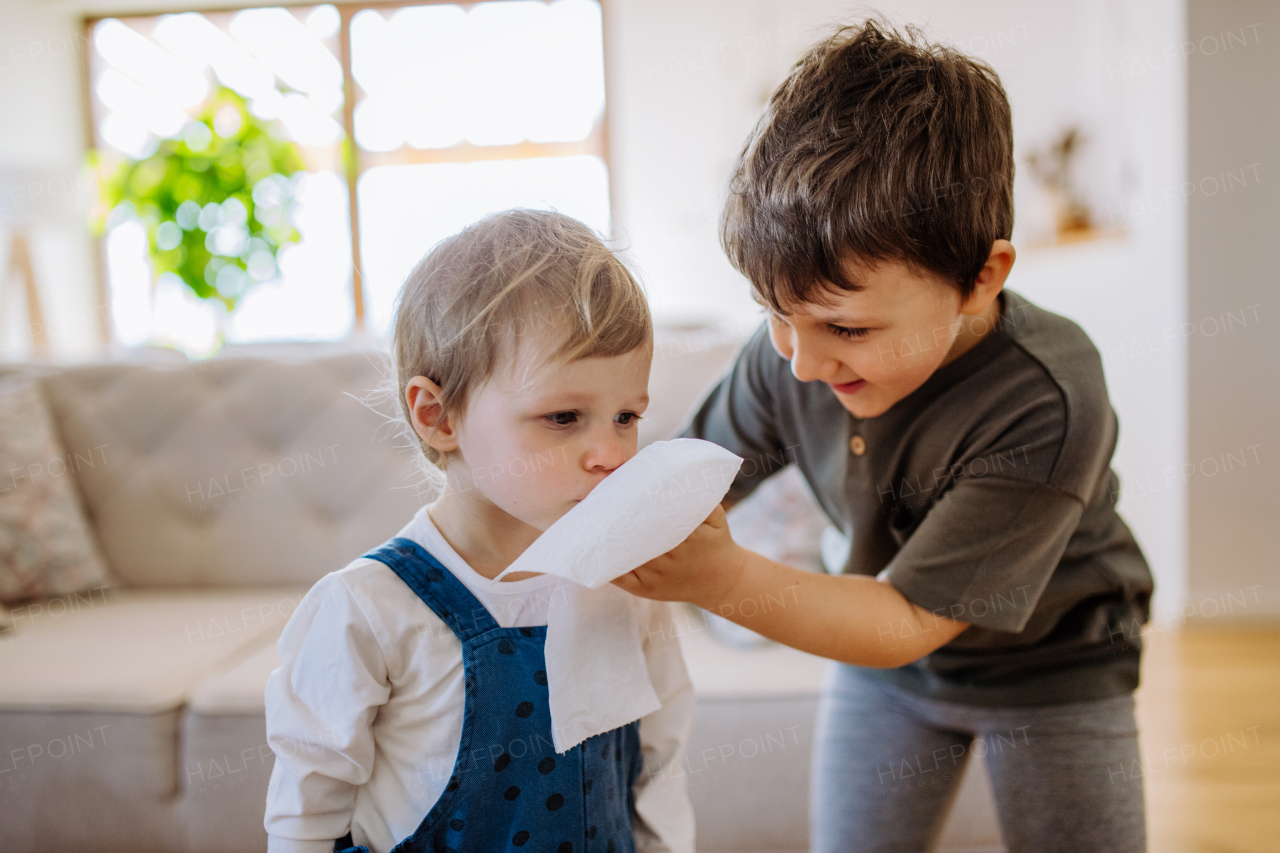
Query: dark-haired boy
[958, 435]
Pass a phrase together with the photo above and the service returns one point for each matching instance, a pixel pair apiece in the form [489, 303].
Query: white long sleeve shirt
[365, 712]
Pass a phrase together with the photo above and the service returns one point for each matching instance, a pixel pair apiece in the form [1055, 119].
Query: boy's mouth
[848, 387]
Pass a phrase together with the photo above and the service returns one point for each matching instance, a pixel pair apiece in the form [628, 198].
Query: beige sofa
[132, 720]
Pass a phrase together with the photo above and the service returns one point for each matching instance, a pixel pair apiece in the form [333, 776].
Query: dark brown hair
[877, 147]
[515, 275]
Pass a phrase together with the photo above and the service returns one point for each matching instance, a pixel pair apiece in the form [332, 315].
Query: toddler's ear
[427, 416]
[990, 280]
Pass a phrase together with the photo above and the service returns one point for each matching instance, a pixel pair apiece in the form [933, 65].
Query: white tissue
[646, 507]
[597, 676]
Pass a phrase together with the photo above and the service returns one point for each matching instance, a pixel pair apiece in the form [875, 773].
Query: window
[427, 116]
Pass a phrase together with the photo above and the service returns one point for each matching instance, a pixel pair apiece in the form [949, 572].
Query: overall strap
[447, 596]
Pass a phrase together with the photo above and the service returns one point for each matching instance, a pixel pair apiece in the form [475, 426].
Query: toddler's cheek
[538, 499]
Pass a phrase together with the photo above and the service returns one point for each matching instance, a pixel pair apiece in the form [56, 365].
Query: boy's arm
[854, 619]
[982, 556]
[663, 819]
[320, 705]
[850, 618]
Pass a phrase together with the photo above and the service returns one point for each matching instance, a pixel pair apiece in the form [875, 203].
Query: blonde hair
[466, 306]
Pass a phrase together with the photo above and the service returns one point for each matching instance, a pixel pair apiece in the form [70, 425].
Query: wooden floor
[1209, 714]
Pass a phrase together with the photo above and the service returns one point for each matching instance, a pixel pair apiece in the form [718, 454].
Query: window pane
[495, 74]
[152, 76]
[405, 210]
[311, 299]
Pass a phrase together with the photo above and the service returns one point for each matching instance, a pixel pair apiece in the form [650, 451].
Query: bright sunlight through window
[458, 111]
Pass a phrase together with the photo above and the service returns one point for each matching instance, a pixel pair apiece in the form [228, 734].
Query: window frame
[354, 160]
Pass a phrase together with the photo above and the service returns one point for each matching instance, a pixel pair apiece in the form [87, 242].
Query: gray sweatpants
[887, 764]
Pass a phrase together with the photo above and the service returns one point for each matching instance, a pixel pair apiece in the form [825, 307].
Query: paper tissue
[597, 677]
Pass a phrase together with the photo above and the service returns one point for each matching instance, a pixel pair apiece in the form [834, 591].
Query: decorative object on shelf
[1080, 178]
[1053, 166]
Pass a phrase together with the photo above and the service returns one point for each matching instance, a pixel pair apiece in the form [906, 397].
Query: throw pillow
[46, 545]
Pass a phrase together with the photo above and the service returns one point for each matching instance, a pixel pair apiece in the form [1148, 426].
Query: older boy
[958, 435]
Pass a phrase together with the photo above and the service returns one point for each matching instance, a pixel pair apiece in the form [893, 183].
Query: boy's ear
[427, 416]
[990, 281]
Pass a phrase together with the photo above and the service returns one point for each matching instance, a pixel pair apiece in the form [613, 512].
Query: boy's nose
[809, 363]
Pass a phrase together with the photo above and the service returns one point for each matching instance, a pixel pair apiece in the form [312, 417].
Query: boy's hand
[702, 569]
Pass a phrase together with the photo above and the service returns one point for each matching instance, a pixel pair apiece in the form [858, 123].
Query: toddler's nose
[604, 453]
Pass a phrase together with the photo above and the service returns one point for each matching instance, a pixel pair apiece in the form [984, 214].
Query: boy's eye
[562, 418]
[627, 418]
[846, 332]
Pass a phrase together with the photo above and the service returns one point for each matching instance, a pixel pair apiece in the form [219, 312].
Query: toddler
[411, 708]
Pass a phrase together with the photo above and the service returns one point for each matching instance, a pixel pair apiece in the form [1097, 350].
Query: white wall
[42, 138]
[1234, 110]
[688, 81]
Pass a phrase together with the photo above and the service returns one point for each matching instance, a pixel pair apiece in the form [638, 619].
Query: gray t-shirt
[985, 496]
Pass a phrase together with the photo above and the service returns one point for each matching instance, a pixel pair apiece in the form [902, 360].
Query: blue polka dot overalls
[510, 790]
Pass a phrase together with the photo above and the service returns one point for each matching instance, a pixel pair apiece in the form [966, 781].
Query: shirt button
[857, 445]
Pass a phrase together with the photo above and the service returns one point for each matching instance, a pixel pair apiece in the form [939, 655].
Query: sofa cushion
[226, 765]
[47, 547]
[239, 687]
[96, 781]
[137, 651]
[97, 744]
[236, 471]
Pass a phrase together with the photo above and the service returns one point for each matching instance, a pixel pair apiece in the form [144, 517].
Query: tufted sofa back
[243, 471]
[235, 471]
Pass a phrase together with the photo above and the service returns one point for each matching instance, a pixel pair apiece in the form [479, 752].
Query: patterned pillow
[782, 520]
[46, 545]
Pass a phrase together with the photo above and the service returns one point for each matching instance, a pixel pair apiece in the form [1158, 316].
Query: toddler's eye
[846, 332]
[627, 418]
[562, 418]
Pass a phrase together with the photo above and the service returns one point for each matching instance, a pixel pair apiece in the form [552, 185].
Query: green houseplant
[216, 202]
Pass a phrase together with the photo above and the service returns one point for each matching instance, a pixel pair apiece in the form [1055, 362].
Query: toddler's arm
[663, 821]
[320, 704]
